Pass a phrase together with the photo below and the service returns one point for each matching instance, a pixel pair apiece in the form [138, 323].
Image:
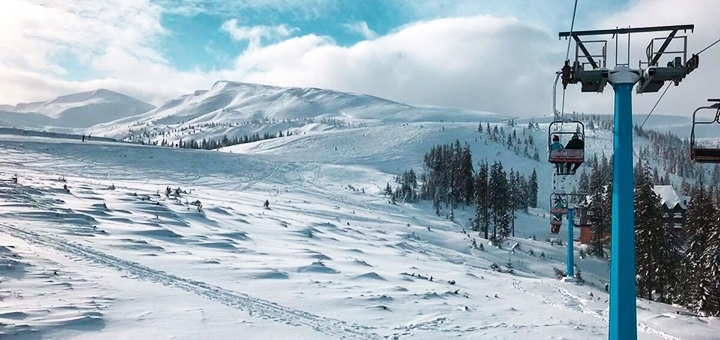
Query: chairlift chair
[555, 226]
[704, 154]
[558, 209]
[566, 155]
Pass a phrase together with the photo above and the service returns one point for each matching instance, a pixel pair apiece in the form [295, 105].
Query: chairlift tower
[650, 76]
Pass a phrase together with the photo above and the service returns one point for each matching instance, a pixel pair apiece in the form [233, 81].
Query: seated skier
[556, 145]
[577, 144]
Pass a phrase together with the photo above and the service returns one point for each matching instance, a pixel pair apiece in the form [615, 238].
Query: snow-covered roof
[669, 197]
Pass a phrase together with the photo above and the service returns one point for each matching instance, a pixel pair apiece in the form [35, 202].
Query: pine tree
[606, 205]
[655, 252]
[685, 187]
[715, 177]
[701, 216]
[482, 213]
[499, 201]
[656, 177]
[465, 174]
[711, 264]
[596, 180]
[515, 198]
[524, 193]
[598, 225]
[533, 190]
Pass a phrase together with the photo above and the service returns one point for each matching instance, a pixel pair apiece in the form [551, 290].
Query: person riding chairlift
[556, 145]
[577, 144]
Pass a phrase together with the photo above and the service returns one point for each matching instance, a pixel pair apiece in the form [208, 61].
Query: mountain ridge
[73, 111]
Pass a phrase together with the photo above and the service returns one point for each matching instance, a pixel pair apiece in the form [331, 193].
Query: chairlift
[705, 154]
[566, 155]
[555, 226]
[558, 205]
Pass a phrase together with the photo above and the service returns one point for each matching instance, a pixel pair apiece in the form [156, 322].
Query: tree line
[673, 269]
[451, 180]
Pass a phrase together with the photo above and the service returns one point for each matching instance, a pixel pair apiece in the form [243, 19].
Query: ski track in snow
[255, 306]
[579, 305]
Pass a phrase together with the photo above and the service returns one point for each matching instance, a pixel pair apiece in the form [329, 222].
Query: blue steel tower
[623, 312]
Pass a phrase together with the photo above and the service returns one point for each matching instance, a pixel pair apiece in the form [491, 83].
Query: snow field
[326, 261]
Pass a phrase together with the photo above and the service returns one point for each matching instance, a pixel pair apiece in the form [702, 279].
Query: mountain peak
[80, 110]
[220, 84]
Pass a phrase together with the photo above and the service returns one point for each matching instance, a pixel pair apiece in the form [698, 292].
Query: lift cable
[567, 55]
[711, 45]
[656, 104]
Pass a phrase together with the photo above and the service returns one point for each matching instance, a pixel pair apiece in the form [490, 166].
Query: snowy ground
[331, 259]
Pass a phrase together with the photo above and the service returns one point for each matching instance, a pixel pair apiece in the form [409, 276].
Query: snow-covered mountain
[230, 107]
[74, 111]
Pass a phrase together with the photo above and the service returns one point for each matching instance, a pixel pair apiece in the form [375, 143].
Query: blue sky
[197, 40]
[491, 55]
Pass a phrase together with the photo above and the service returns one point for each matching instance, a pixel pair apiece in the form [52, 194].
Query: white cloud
[254, 34]
[305, 9]
[361, 27]
[482, 62]
[34, 33]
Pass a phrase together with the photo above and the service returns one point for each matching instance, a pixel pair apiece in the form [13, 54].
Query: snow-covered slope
[228, 106]
[115, 257]
[74, 111]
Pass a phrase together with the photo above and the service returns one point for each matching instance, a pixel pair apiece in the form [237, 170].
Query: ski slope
[331, 259]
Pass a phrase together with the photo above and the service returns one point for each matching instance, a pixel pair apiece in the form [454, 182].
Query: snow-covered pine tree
[533, 189]
[656, 255]
[466, 175]
[584, 183]
[598, 227]
[685, 187]
[515, 196]
[656, 176]
[701, 216]
[524, 194]
[482, 214]
[596, 180]
[606, 204]
[499, 201]
[711, 270]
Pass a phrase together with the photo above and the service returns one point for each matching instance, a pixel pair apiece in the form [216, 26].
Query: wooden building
[674, 206]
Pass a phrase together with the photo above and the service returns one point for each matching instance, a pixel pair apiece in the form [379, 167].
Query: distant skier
[266, 205]
[83, 138]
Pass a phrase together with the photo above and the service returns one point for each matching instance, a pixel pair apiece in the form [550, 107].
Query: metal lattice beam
[662, 48]
[585, 51]
[629, 30]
